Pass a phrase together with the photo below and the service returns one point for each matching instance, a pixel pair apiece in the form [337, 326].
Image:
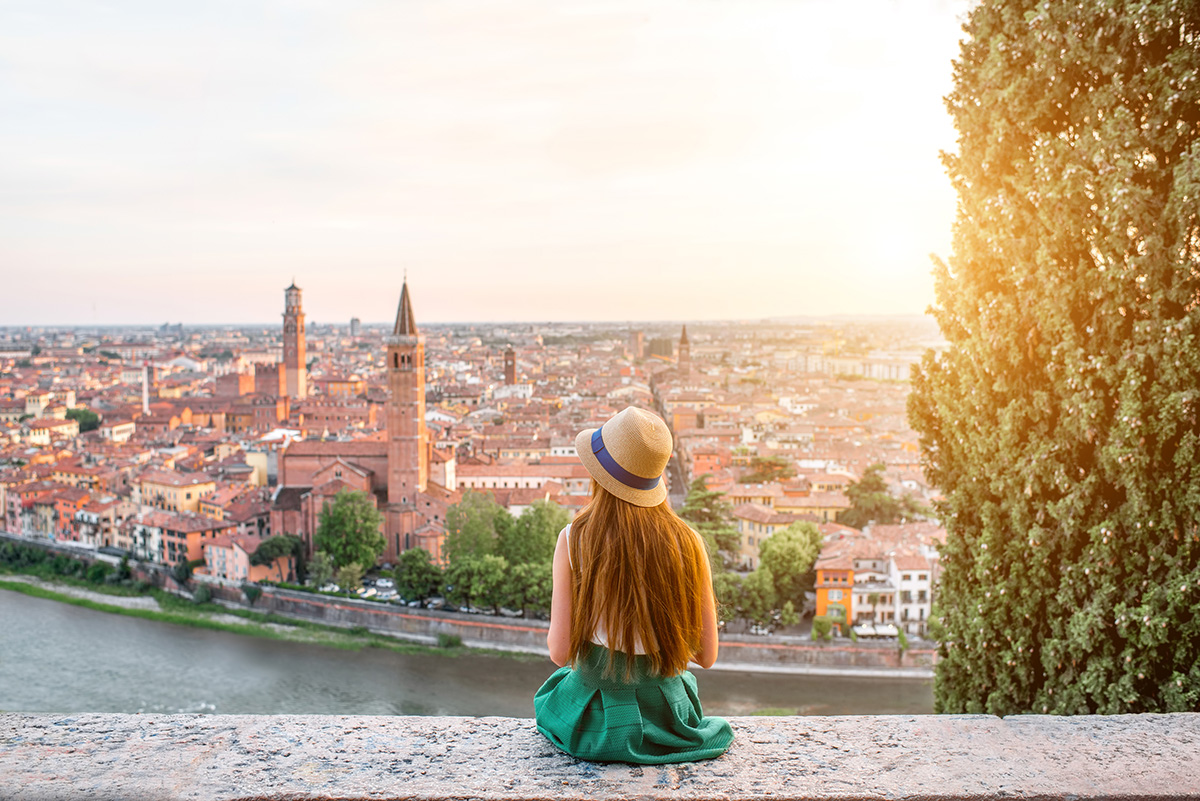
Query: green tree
[492, 582]
[1062, 421]
[530, 538]
[320, 569]
[530, 587]
[730, 595]
[870, 501]
[348, 529]
[182, 571]
[471, 526]
[349, 577]
[87, 419]
[476, 581]
[769, 468]
[417, 577]
[790, 554]
[788, 616]
[272, 548]
[712, 517]
[759, 594]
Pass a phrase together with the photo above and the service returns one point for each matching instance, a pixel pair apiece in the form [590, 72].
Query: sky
[519, 161]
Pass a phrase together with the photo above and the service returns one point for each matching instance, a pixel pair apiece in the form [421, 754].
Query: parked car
[329, 588]
[385, 584]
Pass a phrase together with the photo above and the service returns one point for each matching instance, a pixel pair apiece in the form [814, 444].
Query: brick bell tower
[685, 354]
[295, 383]
[408, 457]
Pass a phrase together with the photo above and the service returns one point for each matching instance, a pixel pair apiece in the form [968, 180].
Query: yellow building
[755, 523]
[174, 491]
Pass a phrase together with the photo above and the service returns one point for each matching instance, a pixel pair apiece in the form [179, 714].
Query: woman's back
[633, 604]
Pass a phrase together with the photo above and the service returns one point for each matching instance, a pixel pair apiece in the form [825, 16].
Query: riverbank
[737, 657]
[164, 607]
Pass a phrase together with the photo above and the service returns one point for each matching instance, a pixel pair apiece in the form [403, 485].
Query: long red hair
[642, 575]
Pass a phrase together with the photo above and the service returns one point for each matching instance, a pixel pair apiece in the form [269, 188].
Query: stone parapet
[226, 757]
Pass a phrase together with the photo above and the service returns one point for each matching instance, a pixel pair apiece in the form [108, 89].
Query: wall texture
[221, 758]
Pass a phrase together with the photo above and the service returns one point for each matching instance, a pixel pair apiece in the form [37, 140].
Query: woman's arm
[559, 638]
[707, 655]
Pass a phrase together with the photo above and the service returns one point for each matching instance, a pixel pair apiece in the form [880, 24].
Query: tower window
[396, 360]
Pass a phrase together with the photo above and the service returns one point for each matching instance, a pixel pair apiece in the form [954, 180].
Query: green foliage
[252, 592]
[477, 582]
[349, 577]
[822, 628]
[349, 530]
[730, 595]
[97, 572]
[471, 526]
[182, 571]
[788, 616]
[203, 594]
[759, 595]
[769, 468]
[870, 502]
[530, 587]
[712, 517]
[321, 569]
[790, 554]
[417, 577]
[87, 419]
[445, 640]
[530, 538]
[902, 641]
[1062, 422]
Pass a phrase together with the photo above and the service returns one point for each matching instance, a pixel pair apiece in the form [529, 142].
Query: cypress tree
[1061, 422]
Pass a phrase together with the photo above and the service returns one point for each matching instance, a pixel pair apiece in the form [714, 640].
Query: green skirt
[649, 720]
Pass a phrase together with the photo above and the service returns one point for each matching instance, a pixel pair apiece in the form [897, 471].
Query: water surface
[55, 657]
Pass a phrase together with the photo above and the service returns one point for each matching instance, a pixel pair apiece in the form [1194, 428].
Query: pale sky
[179, 161]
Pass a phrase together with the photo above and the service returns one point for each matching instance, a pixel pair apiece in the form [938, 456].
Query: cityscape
[195, 445]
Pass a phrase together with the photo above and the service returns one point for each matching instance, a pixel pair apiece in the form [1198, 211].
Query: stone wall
[738, 652]
[222, 758]
[529, 635]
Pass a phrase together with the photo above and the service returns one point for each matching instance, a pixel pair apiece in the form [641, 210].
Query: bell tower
[685, 354]
[408, 459]
[296, 377]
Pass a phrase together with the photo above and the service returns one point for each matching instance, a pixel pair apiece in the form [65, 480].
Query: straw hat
[627, 456]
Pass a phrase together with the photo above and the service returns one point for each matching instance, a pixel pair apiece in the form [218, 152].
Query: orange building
[228, 557]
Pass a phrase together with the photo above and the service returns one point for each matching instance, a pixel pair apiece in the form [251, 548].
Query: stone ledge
[231, 757]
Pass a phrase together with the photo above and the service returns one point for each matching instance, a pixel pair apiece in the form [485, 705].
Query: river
[59, 658]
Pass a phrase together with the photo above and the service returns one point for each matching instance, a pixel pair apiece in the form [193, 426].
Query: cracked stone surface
[231, 757]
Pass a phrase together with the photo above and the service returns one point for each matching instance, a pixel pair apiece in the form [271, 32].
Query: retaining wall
[222, 758]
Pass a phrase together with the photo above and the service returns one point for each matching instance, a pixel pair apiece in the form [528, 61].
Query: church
[394, 471]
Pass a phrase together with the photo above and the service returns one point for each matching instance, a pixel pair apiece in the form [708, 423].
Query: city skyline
[522, 162]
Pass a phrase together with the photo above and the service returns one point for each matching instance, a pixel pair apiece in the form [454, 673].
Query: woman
[632, 606]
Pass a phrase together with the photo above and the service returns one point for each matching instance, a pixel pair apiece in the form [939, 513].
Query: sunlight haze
[521, 160]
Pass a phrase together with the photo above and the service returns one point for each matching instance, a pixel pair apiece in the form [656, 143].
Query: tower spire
[406, 324]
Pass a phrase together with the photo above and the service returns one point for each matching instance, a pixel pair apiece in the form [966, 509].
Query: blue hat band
[616, 471]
